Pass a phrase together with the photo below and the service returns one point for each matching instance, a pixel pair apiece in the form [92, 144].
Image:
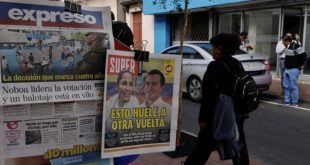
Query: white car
[197, 56]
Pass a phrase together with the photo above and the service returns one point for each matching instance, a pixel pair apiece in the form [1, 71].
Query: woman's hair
[287, 38]
[120, 75]
[229, 43]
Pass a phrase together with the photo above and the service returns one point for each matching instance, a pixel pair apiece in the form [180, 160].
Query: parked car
[197, 56]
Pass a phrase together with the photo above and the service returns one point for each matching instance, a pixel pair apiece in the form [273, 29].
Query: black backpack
[122, 32]
[245, 93]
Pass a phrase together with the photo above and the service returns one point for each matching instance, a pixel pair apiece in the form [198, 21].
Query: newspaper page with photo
[49, 55]
[140, 104]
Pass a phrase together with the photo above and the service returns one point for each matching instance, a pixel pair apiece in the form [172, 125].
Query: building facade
[130, 11]
[265, 21]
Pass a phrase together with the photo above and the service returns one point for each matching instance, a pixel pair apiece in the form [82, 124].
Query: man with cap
[93, 60]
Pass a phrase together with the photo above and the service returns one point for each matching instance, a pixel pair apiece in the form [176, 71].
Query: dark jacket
[295, 56]
[93, 61]
[217, 79]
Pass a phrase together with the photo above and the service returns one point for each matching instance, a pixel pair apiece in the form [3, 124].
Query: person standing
[295, 58]
[93, 60]
[216, 80]
[50, 52]
[280, 50]
[245, 43]
[5, 66]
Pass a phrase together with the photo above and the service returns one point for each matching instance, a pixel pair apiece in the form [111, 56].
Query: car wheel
[194, 88]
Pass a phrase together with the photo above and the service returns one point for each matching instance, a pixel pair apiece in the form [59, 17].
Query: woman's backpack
[245, 93]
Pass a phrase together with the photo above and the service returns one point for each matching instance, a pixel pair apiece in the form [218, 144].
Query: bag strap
[227, 68]
[231, 73]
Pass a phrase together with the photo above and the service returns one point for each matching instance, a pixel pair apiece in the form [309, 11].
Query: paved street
[276, 135]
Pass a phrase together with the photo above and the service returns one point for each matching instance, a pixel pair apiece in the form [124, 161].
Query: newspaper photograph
[45, 134]
[141, 104]
[50, 55]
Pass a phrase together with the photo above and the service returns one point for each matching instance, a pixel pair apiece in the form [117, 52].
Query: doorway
[293, 20]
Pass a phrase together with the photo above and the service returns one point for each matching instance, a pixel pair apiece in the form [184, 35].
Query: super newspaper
[140, 104]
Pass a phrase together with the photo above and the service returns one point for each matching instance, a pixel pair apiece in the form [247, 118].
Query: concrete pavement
[162, 159]
[304, 88]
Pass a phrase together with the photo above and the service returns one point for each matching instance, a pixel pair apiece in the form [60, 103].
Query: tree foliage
[177, 4]
[79, 36]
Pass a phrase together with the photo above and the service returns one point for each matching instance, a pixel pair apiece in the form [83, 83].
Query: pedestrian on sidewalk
[280, 50]
[216, 80]
[295, 58]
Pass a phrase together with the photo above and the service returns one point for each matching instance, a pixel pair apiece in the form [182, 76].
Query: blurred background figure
[245, 43]
[5, 66]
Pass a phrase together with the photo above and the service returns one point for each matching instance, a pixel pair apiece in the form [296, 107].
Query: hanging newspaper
[49, 55]
[141, 105]
[55, 133]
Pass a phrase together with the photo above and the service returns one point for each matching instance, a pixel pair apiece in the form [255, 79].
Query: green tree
[79, 36]
[62, 38]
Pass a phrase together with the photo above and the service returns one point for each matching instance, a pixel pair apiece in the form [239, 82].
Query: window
[307, 43]
[230, 23]
[263, 29]
[171, 51]
[190, 53]
[205, 46]
[197, 29]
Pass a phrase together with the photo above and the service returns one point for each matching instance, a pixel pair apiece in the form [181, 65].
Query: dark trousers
[206, 144]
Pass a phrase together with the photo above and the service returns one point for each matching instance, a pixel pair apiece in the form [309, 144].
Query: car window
[205, 46]
[171, 51]
[190, 53]
[208, 47]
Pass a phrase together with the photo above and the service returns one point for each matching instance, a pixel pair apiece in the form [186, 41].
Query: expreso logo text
[49, 16]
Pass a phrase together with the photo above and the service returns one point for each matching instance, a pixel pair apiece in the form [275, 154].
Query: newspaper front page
[49, 55]
[141, 104]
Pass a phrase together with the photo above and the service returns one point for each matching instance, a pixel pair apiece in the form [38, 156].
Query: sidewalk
[276, 89]
[162, 159]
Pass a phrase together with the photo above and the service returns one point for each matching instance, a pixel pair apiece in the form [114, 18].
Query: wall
[161, 32]
[119, 14]
[148, 31]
